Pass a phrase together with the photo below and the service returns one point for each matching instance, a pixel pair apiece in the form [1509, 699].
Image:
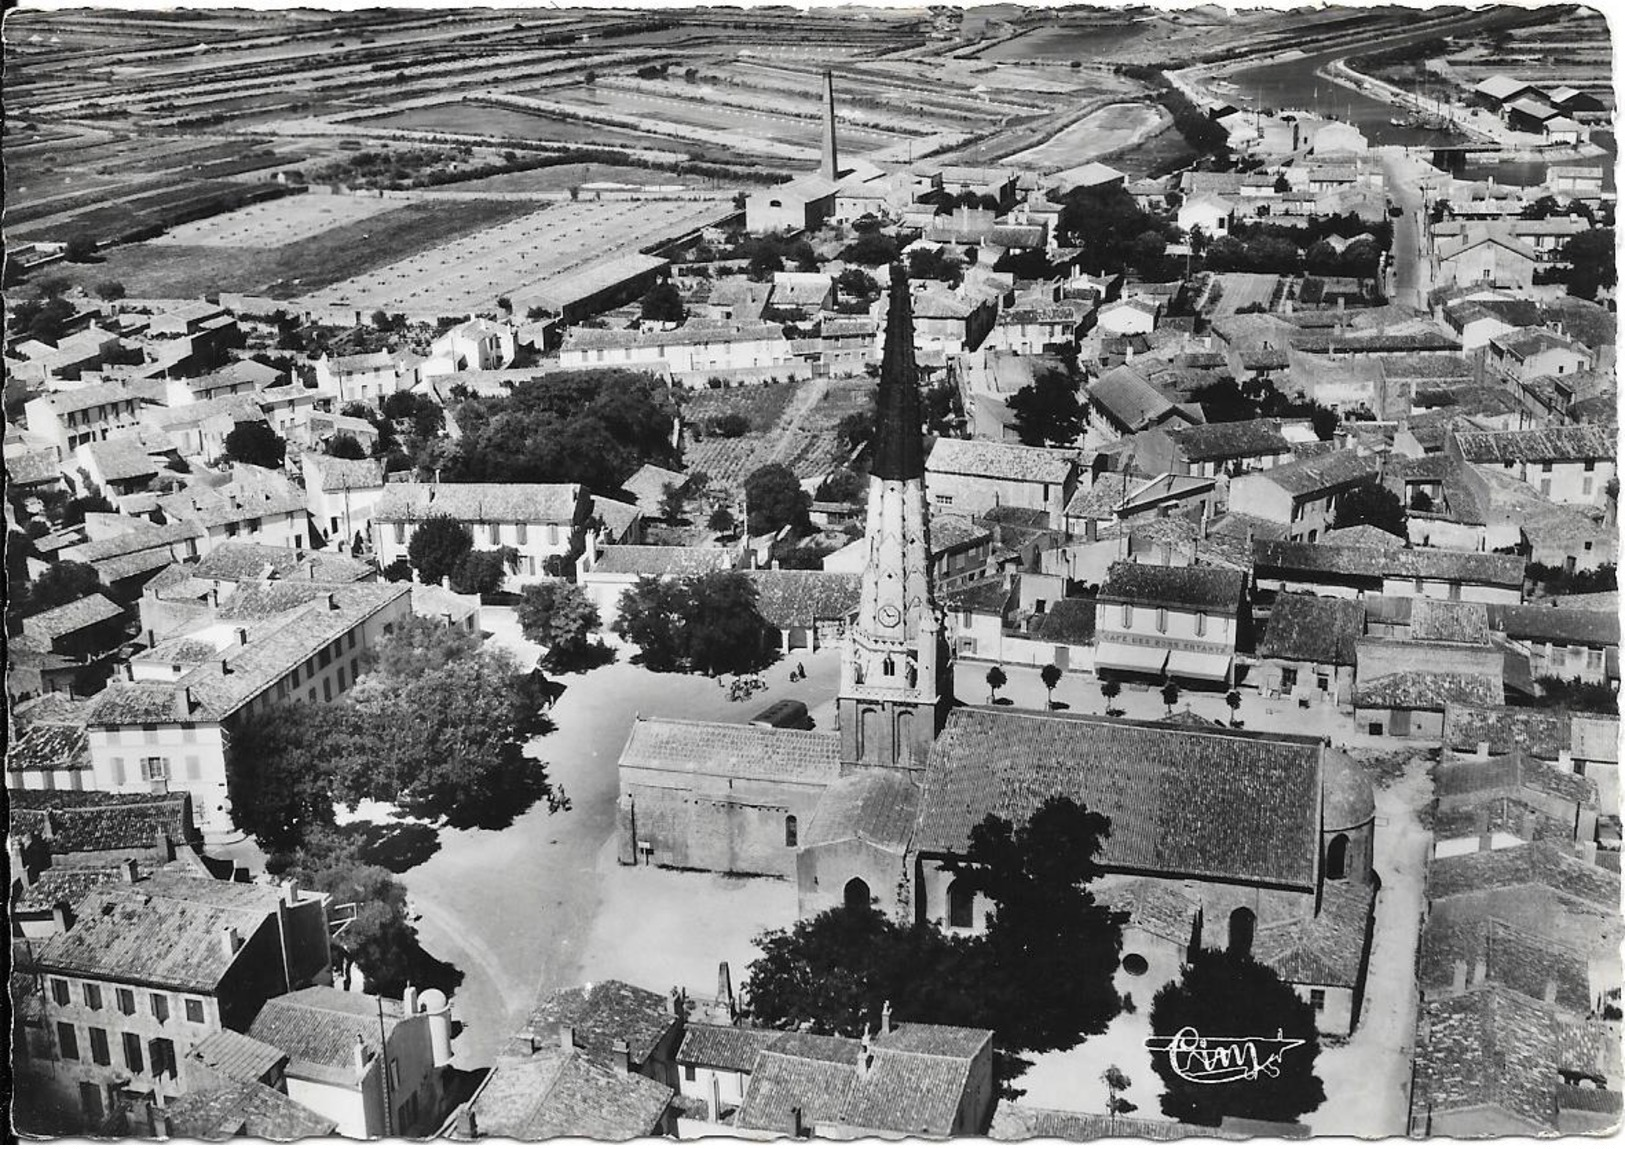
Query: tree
[721, 521]
[871, 250]
[559, 616]
[1117, 1083]
[483, 572]
[420, 646]
[504, 304]
[858, 284]
[1232, 699]
[279, 772]
[1228, 995]
[346, 446]
[1048, 411]
[663, 304]
[1051, 674]
[91, 502]
[764, 264]
[996, 678]
[1421, 501]
[1373, 506]
[81, 248]
[1110, 688]
[59, 584]
[1055, 948]
[379, 938]
[929, 263]
[256, 444]
[1591, 258]
[708, 623]
[110, 289]
[1170, 695]
[437, 546]
[776, 500]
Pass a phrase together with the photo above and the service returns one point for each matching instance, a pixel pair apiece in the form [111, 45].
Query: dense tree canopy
[60, 583]
[1592, 258]
[256, 444]
[928, 263]
[775, 499]
[708, 623]
[438, 546]
[346, 446]
[1227, 994]
[662, 303]
[483, 572]
[559, 616]
[588, 427]
[1110, 228]
[1049, 411]
[1371, 505]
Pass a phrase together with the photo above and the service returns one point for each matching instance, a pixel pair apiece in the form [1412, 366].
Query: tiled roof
[333, 474]
[86, 397]
[1160, 785]
[320, 1026]
[88, 821]
[49, 625]
[480, 502]
[1230, 440]
[551, 1093]
[787, 598]
[690, 334]
[252, 493]
[1395, 562]
[905, 1092]
[1068, 620]
[873, 806]
[1100, 501]
[1535, 863]
[1426, 689]
[1186, 588]
[1512, 958]
[1129, 398]
[662, 562]
[132, 455]
[648, 484]
[602, 1013]
[240, 561]
[731, 750]
[1308, 628]
[163, 934]
[1556, 624]
[1328, 948]
[999, 461]
[1437, 620]
[243, 1109]
[1322, 472]
[48, 746]
[1478, 778]
[1548, 444]
[237, 1055]
[779, 1084]
[935, 1040]
[737, 1047]
[139, 535]
[1543, 733]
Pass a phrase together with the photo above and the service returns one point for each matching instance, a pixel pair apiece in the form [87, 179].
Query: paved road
[1412, 277]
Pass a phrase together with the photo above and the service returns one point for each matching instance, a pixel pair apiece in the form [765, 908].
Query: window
[394, 1073]
[67, 1040]
[1128, 616]
[1546, 487]
[350, 641]
[1591, 465]
[341, 679]
[99, 1052]
[1162, 620]
[496, 533]
[400, 533]
[327, 691]
[126, 1001]
[552, 534]
[688, 1073]
[791, 834]
[1201, 623]
[323, 657]
[961, 905]
[1317, 998]
[161, 1051]
[154, 769]
[521, 532]
[1289, 678]
[93, 996]
[194, 1010]
[1585, 486]
[59, 991]
[1593, 660]
[1546, 468]
[160, 1007]
[355, 669]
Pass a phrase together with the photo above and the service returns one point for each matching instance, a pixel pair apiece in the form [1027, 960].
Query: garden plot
[469, 273]
[277, 223]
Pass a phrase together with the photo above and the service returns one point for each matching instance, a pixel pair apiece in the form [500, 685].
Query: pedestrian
[801, 671]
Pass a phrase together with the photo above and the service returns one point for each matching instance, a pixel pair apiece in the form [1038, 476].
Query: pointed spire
[898, 452]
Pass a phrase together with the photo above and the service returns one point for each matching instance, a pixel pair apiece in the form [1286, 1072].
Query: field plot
[506, 123]
[173, 271]
[278, 223]
[469, 273]
[1071, 40]
[1097, 134]
[562, 177]
[1238, 289]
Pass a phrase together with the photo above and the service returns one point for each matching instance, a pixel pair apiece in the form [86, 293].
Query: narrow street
[1405, 177]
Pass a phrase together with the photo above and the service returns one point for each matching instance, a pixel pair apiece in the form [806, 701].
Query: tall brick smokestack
[830, 169]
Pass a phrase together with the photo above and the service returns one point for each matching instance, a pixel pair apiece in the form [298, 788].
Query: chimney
[63, 917]
[242, 636]
[567, 1037]
[128, 872]
[361, 1057]
[1458, 976]
[725, 988]
[1481, 970]
[1549, 994]
[409, 1001]
[152, 638]
[163, 845]
[621, 1057]
[830, 167]
[798, 1126]
[1483, 750]
[1565, 761]
[20, 868]
[674, 1002]
[229, 942]
[290, 892]
[885, 1018]
[332, 601]
[225, 666]
[868, 1058]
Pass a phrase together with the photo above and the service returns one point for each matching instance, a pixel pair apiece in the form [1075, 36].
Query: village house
[285, 406]
[369, 378]
[1488, 259]
[1403, 684]
[1124, 402]
[476, 345]
[1165, 621]
[1561, 642]
[1303, 495]
[87, 626]
[257, 504]
[970, 476]
[140, 971]
[128, 462]
[802, 204]
[169, 726]
[1038, 328]
[372, 1065]
[1213, 449]
[65, 419]
[1525, 354]
[692, 354]
[1572, 465]
[949, 323]
[242, 377]
[199, 430]
[1392, 570]
[541, 521]
[1307, 650]
[124, 559]
[804, 609]
[1494, 803]
[341, 495]
[185, 593]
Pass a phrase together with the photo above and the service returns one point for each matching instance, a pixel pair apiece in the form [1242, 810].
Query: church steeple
[894, 676]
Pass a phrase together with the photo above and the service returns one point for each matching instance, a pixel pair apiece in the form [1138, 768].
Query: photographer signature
[1217, 1060]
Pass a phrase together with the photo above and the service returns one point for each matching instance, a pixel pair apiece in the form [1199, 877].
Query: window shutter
[118, 771]
[193, 770]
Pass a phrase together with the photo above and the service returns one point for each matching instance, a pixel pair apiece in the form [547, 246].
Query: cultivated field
[1098, 134]
[175, 271]
[508, 123]
[279, 223]
[468, 273]
[562, 177]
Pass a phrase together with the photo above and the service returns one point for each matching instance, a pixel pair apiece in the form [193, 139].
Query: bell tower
[895, 673]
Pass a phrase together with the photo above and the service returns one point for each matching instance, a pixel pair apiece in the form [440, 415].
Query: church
[1219, 838]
